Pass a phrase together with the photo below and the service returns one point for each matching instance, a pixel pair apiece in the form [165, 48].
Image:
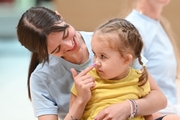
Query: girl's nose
[97, 62]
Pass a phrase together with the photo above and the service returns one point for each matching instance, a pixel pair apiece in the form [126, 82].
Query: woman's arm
[153, 102]
[76, 110]
[83, 83]
[48, 117]
[150, 104]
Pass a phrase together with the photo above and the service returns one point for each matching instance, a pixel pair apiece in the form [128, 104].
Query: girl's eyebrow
[55, 49]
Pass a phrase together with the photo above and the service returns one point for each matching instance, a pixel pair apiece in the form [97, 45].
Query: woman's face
[61, 47]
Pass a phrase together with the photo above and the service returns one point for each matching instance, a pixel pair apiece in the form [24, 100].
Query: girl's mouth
[99, 71]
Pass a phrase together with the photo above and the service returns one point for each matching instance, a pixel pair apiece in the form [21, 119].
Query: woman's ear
[128, 59]
[58, 14]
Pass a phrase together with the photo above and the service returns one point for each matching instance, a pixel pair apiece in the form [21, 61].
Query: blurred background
[14, 59]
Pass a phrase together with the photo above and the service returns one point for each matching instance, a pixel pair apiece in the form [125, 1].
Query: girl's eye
[103, 57]
[94, 54]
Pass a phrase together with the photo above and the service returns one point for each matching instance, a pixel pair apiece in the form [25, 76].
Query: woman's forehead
[62, 23]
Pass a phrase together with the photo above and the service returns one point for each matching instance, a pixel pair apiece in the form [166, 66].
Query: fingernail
[95, 118]
[93, 64]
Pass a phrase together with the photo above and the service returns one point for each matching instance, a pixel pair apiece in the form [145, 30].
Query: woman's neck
[150, 9]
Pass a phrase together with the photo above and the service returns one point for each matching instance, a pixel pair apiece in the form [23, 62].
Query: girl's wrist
[133, 108]
[77, 109]
[80, 101]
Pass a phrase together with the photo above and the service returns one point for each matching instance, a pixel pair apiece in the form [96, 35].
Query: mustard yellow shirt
[107, 92]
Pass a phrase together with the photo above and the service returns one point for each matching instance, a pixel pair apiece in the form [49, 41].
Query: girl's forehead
[106, 37]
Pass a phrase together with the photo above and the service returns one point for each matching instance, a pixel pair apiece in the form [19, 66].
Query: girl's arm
[150, 104]
[76, 108]
[83, 82]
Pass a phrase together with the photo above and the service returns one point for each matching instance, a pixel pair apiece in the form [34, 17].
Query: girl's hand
[83, 83]
[120, 111]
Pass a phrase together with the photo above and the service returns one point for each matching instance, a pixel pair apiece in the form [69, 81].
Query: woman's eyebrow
[66, 31]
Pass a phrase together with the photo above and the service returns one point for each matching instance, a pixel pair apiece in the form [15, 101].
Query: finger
[100, 115]
[87, 76]
[87, 80]
[85, 71]
[88, 86]
[74, 73]
[91, 85]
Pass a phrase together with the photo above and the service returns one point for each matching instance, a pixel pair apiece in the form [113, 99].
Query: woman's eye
[66, 32]
[58, 49]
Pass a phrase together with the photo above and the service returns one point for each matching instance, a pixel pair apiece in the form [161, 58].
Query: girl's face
[60, 47]
[109, 63]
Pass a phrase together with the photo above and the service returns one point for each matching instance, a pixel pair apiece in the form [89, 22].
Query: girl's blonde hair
[129, 40]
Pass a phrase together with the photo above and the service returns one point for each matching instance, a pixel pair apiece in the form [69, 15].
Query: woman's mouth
[74, 45]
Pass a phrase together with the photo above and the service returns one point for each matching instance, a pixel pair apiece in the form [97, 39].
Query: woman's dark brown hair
[32, 30]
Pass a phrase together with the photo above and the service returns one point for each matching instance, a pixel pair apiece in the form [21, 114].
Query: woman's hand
[83, 83]
[120, 111]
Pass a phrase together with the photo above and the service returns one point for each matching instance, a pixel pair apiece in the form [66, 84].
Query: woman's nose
[68, 44]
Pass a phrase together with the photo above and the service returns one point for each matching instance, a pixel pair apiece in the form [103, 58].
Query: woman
[160, 46]
[56, 48]
[157, 37]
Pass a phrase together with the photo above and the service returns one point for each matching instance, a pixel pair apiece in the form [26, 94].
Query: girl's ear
[128, 59]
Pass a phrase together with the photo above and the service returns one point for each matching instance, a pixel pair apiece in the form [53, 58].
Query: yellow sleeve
[73, 90]
[146, 89]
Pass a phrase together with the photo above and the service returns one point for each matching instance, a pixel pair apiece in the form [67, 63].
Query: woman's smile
[74, 45]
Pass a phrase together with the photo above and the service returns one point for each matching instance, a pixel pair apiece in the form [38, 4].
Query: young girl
[115, 45]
